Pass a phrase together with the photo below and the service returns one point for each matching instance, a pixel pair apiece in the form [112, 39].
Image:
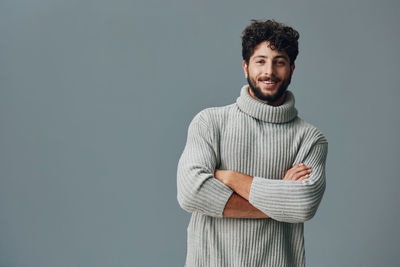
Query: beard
[269, 98]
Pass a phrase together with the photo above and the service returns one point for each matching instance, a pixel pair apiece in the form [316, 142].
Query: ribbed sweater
[262, 141]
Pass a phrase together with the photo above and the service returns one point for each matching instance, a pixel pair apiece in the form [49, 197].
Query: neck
[281, 113]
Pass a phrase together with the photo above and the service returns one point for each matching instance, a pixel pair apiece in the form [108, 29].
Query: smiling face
[269, 74]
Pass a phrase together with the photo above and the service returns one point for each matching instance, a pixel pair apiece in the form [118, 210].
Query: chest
[259, 148]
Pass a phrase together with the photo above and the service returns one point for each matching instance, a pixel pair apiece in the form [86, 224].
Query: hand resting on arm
[238, 206]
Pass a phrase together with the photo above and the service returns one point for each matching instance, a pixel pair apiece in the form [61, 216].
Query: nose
[268, 68]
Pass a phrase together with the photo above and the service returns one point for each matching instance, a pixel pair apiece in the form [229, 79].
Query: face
[268, 73]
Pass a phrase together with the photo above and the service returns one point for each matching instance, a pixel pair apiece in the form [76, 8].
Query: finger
[298, 168]
[303, 172]
[303, 177]
[293, 171]
[300, 174]
[300, 165]
[290, 174]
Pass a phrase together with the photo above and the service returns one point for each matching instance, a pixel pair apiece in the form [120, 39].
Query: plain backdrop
[96, 97]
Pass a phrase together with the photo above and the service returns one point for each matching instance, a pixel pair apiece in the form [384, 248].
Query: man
[253, 172]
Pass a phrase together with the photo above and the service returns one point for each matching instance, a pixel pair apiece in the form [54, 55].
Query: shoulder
[311, 133]
[208, 121]
[213, 116]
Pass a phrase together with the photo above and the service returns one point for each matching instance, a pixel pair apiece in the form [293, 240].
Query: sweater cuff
[254, 190]
[220, 195]
[262, 200]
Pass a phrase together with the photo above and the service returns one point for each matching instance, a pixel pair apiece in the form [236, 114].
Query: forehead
[264, 50]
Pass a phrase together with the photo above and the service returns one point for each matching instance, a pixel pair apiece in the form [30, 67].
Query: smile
[268, 82]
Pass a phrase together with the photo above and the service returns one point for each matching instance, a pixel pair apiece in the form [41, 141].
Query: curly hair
[280, 37]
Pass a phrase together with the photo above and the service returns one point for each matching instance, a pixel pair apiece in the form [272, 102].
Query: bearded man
[253, 172]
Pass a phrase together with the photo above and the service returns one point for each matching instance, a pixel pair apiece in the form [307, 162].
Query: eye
[260, 62]
[281, 63]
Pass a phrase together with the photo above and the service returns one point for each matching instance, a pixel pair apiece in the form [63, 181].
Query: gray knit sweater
[263, 141]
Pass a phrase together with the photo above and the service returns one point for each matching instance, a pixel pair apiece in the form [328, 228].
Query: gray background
[96, 97]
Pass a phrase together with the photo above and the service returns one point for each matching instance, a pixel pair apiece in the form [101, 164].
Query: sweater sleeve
[293, 201]
[198, 189]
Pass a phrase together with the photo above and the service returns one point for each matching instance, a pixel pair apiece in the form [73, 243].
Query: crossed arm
[225, 193]
[238, 205]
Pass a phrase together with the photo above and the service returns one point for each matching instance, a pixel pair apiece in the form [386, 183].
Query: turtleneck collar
[262, 111]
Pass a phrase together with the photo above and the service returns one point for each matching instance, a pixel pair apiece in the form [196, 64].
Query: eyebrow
[279, 56]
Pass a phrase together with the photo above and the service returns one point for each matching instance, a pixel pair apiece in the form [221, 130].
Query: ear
[292, 67]
[245, 69]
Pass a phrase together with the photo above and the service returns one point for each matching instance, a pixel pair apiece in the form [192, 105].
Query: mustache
[269, 79]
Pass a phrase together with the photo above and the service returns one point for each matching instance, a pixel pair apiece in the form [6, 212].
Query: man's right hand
[298, 172]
